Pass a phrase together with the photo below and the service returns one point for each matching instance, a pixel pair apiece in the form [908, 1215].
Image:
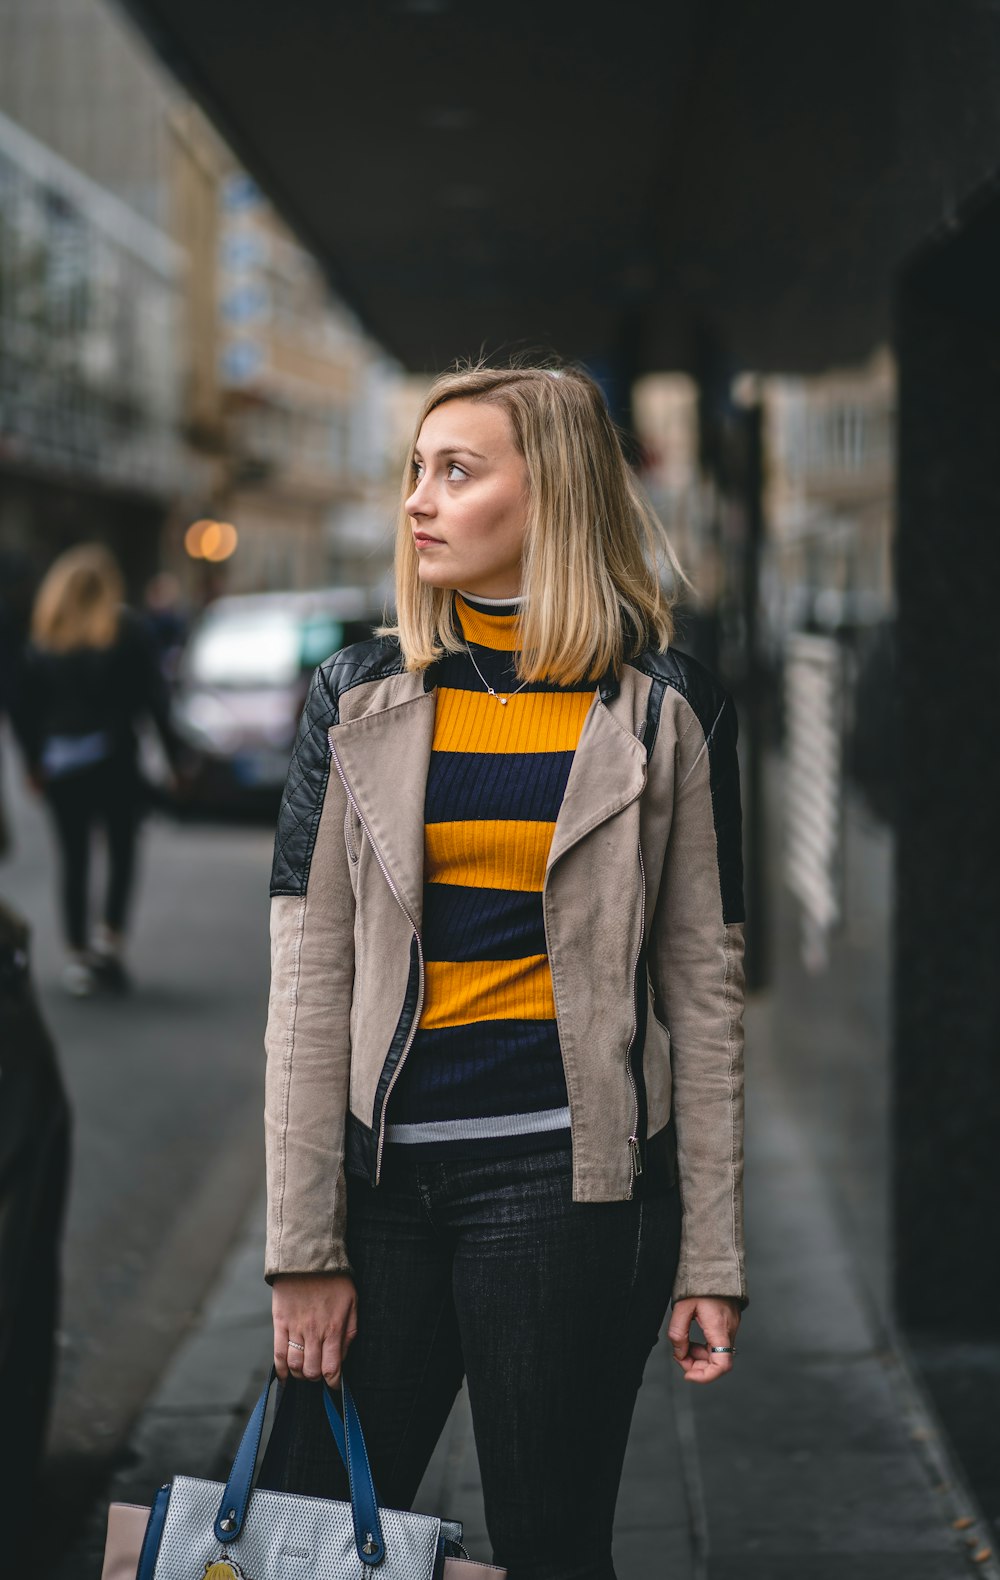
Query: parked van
[241, 684]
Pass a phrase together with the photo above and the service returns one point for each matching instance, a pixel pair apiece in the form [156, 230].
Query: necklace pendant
[504, 700]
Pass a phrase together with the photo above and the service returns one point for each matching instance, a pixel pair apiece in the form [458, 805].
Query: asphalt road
[166, 1088]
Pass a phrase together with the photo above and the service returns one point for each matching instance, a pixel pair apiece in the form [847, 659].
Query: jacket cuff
[332, 1265]
[711, 1283]
[744, 1300]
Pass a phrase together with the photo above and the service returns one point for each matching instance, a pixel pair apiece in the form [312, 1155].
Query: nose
[420, 502]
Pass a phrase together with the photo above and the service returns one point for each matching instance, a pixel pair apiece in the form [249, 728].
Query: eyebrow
[454, 449]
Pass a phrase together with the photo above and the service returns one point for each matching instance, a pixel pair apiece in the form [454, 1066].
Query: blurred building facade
[168, 351]
[285, 391]
[91, 303]
[829, 496]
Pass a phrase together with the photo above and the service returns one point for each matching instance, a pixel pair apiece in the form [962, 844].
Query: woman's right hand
[320, 1312]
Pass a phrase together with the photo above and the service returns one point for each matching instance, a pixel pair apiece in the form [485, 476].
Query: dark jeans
[105, 796]
[549, 1307]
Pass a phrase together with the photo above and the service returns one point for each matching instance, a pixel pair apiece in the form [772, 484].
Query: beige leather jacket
[644, 927]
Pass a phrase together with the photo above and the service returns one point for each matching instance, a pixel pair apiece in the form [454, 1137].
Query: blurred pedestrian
[504, 1096]
[8, 668]
[167, 619]
[15, 603]
[89, 673]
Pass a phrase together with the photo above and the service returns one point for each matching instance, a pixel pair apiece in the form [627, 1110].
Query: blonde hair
[589, 568]
[79, 601]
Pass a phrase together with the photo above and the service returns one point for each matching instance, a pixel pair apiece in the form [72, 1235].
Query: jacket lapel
[384, 758]
[608, 773]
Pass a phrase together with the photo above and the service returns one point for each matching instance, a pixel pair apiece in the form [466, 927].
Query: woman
[504, 1083]
[90, 671]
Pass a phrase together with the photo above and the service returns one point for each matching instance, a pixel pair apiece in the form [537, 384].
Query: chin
[434, 576]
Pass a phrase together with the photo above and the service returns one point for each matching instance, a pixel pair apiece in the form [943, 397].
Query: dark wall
[947, 972]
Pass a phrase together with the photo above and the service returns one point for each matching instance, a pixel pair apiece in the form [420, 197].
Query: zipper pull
[636, 1155]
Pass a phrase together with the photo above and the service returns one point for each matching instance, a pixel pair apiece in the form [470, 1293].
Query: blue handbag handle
[349, 1438]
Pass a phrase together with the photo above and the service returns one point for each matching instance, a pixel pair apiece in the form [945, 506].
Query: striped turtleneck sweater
[484, 1074]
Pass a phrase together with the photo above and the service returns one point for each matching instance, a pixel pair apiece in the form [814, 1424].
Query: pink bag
[126, 1528]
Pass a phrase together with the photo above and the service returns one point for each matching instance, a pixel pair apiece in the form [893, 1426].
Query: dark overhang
[615, 181]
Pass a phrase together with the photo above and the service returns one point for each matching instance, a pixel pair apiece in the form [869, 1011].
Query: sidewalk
[816, 1460]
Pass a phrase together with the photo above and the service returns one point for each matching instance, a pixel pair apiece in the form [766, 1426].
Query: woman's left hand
[718, 1317]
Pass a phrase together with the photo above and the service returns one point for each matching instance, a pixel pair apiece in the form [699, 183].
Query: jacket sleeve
[308, 1024]
[25, 706]
[696, 962]
[150, 692]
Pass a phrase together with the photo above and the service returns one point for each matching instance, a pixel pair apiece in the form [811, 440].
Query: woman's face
[469, 503]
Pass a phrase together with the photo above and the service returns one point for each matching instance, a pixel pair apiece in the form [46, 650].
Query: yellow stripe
[534, 721]
[488, 853]
[458, 992]
[489, 630]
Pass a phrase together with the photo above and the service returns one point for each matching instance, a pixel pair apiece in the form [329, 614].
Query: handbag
[202, 1530]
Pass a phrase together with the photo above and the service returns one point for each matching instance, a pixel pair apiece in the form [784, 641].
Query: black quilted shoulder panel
[309, 769]
[716, 713]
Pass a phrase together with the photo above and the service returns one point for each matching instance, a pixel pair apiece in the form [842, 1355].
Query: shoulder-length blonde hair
[79, 601]
[590, 564]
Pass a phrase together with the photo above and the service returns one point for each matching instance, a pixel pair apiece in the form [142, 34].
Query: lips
[421, 539]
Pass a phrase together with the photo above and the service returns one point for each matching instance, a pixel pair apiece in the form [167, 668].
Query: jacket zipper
[633, 1143]
[420, 956]
[632, 1140]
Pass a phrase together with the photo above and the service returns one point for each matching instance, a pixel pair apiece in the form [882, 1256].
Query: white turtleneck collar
[476, 599]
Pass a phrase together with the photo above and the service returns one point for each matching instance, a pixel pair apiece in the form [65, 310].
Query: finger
[720, 1335]
[296, 1357]
[679, 1333]
[333, 1355]
[703, 1366]
[281, 1351]
[312, 1365]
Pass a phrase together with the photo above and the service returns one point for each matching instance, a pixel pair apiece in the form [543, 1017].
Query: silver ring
[293, 1345]
[723, 1349]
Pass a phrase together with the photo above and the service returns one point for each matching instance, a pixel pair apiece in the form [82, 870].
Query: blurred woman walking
[88, 674]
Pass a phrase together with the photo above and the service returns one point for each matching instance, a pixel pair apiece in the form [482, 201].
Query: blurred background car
[241, 684]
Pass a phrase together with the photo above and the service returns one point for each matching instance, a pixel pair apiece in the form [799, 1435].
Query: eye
[417, 467]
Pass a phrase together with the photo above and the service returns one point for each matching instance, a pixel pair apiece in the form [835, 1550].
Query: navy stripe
[456, 671]
[463, 785]
[481, 924]
[494, 609]
[488, 1067]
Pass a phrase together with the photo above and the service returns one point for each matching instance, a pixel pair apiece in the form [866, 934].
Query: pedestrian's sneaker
[106, 962]
[108, 972]
[78, 978]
